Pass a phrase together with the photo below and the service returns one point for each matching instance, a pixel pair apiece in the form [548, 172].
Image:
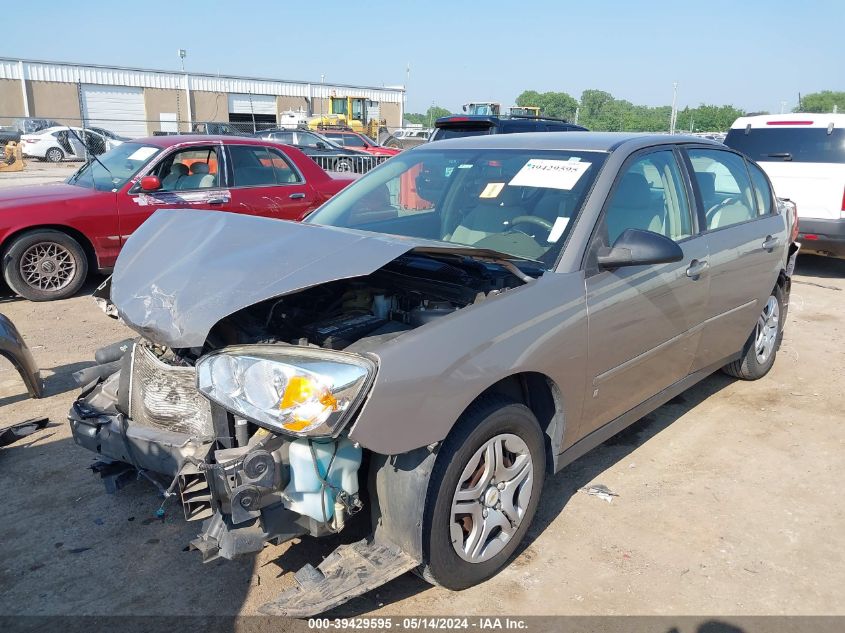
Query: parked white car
[804, 156]
[60, 143]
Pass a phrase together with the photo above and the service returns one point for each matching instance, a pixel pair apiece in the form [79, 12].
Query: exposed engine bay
[359, 314]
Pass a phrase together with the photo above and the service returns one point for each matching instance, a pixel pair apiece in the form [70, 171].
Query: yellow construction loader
[347, 113]
[11, 159]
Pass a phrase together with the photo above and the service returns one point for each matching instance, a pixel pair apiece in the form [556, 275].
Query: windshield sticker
[492, 190]
[557, 230]
[142, 153]
[549, 174]
[449, 171]
[464, 166]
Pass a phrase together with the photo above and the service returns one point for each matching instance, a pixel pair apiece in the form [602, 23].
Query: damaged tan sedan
[431, 344]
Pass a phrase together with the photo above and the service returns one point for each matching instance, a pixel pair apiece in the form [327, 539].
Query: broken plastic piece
[601, 491]
[347, 572]
[21, 429]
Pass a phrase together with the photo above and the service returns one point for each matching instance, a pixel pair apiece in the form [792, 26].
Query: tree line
[601, 111]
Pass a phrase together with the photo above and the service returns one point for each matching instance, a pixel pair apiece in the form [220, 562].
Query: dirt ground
[729, 501]
[38, 173]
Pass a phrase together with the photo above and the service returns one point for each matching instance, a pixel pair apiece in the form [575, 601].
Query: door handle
[297, 196]
[218, 200]
[696, 268]
[770, 243]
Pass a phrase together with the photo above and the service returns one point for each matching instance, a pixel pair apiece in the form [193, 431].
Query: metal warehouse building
[139, 102]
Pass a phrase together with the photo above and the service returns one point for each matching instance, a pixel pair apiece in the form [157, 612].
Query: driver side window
[194, 168]
[650, 196]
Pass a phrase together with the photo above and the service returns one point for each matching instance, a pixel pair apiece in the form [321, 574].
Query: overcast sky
[750, 54]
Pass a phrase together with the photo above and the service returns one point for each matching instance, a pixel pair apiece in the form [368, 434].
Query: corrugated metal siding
[140, 78]
[8, 69]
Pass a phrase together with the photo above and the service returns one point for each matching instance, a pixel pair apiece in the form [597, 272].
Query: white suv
[804, 156]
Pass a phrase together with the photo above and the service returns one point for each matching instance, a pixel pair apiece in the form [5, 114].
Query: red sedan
[51, 235]
[356, 141]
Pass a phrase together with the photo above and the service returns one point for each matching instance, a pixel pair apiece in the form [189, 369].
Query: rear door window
[799, 145]
[256, 166]
[725, 187]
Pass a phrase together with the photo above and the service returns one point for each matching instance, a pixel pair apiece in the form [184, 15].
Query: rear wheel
[45, 265]
[760, 350]
[483, 493]
[54, 155]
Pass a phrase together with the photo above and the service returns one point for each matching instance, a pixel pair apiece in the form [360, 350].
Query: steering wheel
[532, 219]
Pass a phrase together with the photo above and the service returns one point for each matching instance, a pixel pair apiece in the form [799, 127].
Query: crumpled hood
[183, 271]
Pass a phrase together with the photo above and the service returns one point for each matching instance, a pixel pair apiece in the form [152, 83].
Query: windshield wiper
[91, 156]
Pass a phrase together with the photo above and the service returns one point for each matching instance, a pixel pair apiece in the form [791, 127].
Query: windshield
[517, 202]
[801, 145]
[118, 166]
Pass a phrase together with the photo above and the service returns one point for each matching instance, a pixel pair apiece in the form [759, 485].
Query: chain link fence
[64, 139]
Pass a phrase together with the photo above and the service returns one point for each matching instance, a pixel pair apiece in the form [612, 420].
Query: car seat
[488, 217]
[177, 172]
[634, 207]
[200, 178]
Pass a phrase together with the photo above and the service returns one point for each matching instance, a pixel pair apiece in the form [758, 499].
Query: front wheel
[45, 265]
[483, 493]
[760, 350]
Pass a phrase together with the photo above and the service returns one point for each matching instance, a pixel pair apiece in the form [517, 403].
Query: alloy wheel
[491, 498]
[766, 333]
[47, 266]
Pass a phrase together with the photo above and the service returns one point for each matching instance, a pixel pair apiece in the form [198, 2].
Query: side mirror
[636, 247]
[150, 183]
[321, 145]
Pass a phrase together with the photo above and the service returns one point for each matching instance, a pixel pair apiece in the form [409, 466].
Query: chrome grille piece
[165, 397]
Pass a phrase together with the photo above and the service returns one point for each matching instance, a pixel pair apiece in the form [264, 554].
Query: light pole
[182, 55]
[322, 93]
[674, 116]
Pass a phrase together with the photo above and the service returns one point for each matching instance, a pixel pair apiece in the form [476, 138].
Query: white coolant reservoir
[307, 493]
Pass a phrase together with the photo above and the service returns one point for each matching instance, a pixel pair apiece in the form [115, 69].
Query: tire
[45, 265]
[761, 348]
[343, 165]
[461, 462]
[54, 155]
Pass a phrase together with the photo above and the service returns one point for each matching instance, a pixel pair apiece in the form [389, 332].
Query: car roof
[185, 139]
[586, 141]
[793, 119]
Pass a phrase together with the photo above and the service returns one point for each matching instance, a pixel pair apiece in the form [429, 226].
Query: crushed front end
[248, 484]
